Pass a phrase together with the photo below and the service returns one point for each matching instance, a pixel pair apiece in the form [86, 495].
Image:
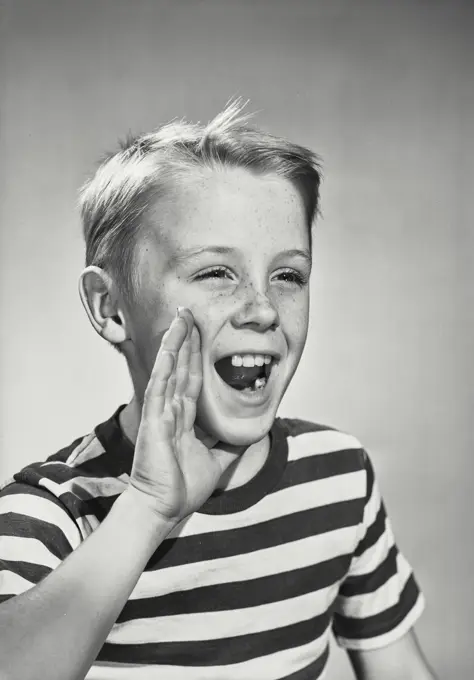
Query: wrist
[137, 509]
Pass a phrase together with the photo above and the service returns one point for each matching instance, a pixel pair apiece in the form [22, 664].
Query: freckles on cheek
[209, 311]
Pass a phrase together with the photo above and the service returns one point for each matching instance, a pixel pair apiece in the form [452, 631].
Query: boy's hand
[173, 471]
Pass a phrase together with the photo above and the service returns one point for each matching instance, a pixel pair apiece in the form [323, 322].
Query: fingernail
[179, 310]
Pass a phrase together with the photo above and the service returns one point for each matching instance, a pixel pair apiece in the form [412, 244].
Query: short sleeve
[379, 600]
[36, 534]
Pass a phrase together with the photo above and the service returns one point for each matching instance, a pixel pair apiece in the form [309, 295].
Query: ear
[98, 295]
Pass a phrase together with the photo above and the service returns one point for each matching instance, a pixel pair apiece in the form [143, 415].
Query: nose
[257, 312]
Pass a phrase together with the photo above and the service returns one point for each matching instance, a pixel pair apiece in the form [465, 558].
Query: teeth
[250, 360]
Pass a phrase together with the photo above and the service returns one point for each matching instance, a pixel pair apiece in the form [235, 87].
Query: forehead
[229, 206]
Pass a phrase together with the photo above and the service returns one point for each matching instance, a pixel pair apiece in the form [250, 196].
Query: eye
[292, 277]
[214, 273]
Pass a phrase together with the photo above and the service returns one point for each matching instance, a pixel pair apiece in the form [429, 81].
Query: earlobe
[97, 293]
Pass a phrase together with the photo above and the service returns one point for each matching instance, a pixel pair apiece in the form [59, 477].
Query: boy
[194, 535]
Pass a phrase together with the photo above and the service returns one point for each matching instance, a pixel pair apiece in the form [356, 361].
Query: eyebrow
[226, 250]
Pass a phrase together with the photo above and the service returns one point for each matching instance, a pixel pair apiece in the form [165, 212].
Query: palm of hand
[175, 470]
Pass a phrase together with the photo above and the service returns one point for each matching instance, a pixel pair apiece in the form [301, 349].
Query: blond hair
[114, 201]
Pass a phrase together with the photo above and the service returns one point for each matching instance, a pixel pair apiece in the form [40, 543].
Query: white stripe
[373, 556]
[44, 510]
[393, 635]
[93, 486]
[87, 524]
[89, 448]
[370, 604]
[372, 507]
[223, 624]
[319, 443]
[284, 502]
[268, 667]
[29, 550]
[275, 560]
[13, 584]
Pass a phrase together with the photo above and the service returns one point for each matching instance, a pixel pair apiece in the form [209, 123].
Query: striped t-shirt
[249, 587]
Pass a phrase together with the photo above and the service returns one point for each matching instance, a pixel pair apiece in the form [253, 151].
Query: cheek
[294, 319]
[149, 324]
[208, 317]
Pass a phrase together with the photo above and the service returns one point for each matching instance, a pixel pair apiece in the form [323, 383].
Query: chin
[238, 430]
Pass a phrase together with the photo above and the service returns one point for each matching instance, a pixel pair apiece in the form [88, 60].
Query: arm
[64, 620]
[401, 660]
[379, 601]
[55, 629]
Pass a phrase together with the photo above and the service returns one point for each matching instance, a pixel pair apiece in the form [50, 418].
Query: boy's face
[224, 245]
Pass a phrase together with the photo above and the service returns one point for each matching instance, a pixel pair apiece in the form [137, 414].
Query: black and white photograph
[237, 339]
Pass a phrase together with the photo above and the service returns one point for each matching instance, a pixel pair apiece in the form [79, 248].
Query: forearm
[56, 629]
[402, 660]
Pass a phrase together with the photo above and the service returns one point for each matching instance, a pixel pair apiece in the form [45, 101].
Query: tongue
[238, 377]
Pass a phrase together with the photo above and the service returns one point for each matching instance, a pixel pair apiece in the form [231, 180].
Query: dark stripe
[313, 671]
[119, 449]
[321, 466]
[23, 526]
[103, 465]
[60, 472]
[74, 506]
[221, 651]
[32, 472]
[379, 624]
[302, 471]
[31, 572]
[4, 598]
[85, 504]
[240, 594]
[370, 475]
[248, 539]
[368, 583]
[373, 533]
[264, 482]
[20, 488]
[63, 454]
[295, 426]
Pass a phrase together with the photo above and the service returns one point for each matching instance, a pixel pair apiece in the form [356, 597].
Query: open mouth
[245, 373]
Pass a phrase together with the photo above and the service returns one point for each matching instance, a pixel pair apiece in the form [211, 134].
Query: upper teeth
[249, 360]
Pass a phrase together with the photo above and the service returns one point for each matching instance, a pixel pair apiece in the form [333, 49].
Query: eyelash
[209, 273]
[295, 277]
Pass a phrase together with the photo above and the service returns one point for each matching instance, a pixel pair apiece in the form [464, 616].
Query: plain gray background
[384, 92]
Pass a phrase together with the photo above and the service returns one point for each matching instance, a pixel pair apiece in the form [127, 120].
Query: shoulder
[85, 477]
[58, 467]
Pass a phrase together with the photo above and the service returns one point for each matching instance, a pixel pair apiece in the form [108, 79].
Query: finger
[193, 387]
[174, 336]
[194, 384]
[155, 393]
[182, 365]
[171, 386]
[162, 377]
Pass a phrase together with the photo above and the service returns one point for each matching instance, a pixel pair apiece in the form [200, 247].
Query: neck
[246, 462]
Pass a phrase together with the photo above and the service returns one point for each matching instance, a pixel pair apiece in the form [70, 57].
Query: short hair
[114, 201]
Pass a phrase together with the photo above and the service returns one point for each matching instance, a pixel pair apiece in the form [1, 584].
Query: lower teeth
[260, 383]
